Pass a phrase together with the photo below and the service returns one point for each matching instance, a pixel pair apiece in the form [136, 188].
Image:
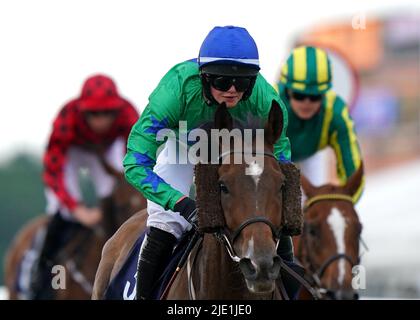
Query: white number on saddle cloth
[132, 295]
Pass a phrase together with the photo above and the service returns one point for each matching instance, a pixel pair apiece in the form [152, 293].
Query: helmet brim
[226, 69]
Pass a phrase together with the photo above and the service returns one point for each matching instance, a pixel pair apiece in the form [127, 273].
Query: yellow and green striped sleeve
[343, 140]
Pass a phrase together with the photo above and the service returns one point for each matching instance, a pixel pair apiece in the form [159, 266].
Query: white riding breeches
[180, 177]
[315, 168]
[79, 159]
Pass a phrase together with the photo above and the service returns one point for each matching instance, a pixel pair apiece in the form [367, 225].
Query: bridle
[228, 238]
[317, 273]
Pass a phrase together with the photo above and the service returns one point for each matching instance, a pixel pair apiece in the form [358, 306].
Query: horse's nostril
[275, 268]
[248, 269]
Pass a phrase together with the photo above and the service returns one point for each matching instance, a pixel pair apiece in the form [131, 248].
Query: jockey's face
[100, 122]
[304, 106]
[228, 89]
[230, 97]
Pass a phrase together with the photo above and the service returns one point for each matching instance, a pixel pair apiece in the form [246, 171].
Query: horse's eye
[223, 188]
[312, 230]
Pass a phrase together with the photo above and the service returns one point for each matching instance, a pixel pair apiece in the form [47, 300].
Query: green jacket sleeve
[162, 112]
[344, 142]
[282, 147]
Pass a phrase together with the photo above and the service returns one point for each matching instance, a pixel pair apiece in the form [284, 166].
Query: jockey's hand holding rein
[187, 208]
[87, 216]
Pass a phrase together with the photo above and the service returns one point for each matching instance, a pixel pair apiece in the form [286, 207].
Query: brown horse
[243, 207]
[329, 245]
[81, 255]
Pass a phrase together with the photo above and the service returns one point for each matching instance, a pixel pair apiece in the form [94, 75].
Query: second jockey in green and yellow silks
[307, 74]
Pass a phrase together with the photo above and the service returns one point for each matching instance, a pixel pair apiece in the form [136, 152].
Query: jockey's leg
[58, 232]
[166, 226]
[155, 252]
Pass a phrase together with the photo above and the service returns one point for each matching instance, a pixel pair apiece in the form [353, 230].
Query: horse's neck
[217, 276]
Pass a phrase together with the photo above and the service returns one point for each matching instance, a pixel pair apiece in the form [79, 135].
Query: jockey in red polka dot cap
[97, 122]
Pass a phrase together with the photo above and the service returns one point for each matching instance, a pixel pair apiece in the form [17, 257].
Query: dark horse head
[247, 204]
[329, 245]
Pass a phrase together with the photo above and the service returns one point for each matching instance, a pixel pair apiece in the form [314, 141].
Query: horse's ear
[354, 181]
[307, 186]
[292, 200]
[274, 125]
[222, 118]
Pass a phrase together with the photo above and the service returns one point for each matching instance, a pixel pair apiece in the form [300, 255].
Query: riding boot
[285, 251]
[40, 284]
[155, 252]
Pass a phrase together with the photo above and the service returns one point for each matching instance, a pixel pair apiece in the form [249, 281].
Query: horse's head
[331, 234]
[252, 200]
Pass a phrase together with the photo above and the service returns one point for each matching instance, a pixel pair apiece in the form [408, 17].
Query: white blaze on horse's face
[337, 224]
[255, 170]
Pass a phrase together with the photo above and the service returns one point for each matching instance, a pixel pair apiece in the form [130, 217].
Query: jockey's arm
[282, 150]
[162, 112]
[55, 158]
[343, 140]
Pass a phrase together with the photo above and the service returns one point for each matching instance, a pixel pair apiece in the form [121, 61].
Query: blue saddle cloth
[123, 285]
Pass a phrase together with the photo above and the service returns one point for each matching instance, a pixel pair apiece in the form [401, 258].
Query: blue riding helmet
[229, 51]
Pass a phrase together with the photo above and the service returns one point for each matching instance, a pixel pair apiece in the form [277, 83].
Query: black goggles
[224, 83]
[302, 96]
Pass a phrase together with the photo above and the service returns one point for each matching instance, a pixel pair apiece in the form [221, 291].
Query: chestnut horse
[242, 208]
[329, 245]
[81, 255]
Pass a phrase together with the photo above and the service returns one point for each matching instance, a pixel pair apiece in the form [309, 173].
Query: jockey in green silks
[318, 117]
[226, 71]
